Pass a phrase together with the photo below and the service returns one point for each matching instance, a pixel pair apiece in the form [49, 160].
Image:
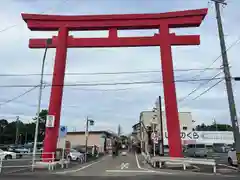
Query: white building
[186, 122]
[188, 133]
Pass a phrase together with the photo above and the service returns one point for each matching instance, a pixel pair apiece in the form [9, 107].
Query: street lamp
[91, 123]
[48, 42]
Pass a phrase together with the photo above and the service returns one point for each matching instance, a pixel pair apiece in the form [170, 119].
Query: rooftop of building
[108, 133]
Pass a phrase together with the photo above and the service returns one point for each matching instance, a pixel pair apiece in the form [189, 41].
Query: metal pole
[26, 134]
[141, 136]
[49, 41]
[17, 130]
[161, 144]
[227, 73]
[86, 140]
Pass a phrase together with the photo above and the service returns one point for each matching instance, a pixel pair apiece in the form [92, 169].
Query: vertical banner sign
[50, 121]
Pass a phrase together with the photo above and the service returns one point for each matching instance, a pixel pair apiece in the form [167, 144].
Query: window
[200, 146]
[73, 150]
[184, 128]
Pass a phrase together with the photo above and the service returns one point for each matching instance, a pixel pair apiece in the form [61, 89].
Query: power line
[15, 98]
[203, 83]
[110, 73]
[15, 25]
[229, 48]
[204, 92]
[110, 84]
[199, 86]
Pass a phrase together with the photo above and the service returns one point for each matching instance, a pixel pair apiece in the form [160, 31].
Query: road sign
[154, 135]
[62, 131]
[50, 121]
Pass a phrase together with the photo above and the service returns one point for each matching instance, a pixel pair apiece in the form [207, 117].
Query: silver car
[196, 150]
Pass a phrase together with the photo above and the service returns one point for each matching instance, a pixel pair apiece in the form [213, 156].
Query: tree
[26, 131]
[42, 122]
[214, 127]
[3, 125]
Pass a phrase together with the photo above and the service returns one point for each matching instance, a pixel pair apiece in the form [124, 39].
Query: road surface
[130, 165]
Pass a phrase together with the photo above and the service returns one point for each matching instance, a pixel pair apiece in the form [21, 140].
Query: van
[196, 150]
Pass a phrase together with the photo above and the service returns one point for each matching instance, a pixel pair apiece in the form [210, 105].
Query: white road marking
[196, 167]
[17, 170]
[76, 170]
[130, 171]
[124, 165]
[231, 167]
[138, 165]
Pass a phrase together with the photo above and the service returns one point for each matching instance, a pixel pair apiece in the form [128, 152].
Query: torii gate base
[164, 39]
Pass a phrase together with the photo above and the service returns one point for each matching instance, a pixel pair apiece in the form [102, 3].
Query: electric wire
[109, 84]
[207, 90]
[17, 24]
[110, 73]
[19, 96]
[199, 86]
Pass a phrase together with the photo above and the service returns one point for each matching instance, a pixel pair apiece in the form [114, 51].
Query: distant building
[146, 118]
[102, 139]
[185, 120]
[188, 133]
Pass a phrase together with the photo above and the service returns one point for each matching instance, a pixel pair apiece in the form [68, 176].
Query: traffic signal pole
[231, 102]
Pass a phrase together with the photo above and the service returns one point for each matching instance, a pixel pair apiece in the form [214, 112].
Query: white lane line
[17, 170]
[196, 167]
[76, 170]
[138, 165]
[129, 171]
[231, 167]
[149, 170]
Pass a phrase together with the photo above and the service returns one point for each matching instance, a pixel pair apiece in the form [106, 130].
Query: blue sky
[113, 105]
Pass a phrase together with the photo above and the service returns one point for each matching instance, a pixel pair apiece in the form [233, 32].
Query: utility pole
[119, 130]
[228, 81]
[91, 123]
[17, 130]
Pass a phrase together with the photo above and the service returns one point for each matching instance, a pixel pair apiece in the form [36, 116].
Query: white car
[7, 155]
[232, 157]
[124, 153]
[74, 155]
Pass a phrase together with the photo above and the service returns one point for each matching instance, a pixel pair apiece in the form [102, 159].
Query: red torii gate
[164, 39]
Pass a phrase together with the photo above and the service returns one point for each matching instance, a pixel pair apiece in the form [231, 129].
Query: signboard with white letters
[206, 137]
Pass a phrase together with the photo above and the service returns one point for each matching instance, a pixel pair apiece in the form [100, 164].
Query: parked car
[75, 155]
[7, 154]
[196, 150]
[232, 157]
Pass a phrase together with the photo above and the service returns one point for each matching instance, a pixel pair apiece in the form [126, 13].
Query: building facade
[187, 128]
[101, 139]
[186, 122]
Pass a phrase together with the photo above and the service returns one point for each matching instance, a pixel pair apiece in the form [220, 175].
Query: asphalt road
[131, 165]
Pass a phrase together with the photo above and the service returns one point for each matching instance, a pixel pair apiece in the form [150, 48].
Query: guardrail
[27, 161]
[182, 161]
